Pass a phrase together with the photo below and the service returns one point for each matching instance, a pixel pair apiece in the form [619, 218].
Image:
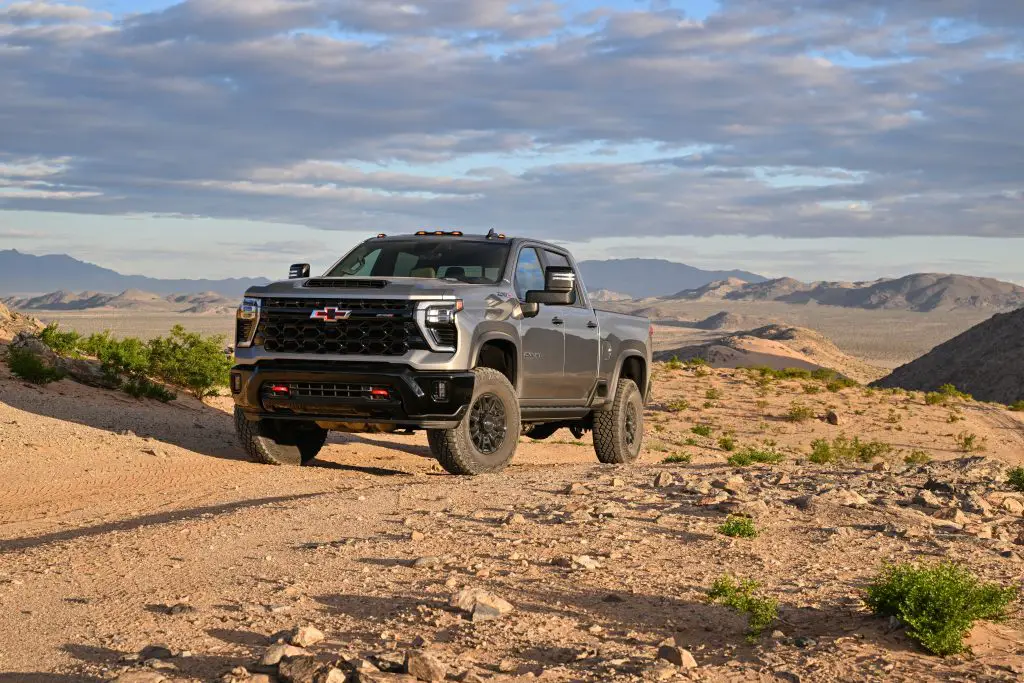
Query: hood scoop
[345, 283]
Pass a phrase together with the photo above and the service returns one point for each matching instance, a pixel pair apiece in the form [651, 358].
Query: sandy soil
[112, 510]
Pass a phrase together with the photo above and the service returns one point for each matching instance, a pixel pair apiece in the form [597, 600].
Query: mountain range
[920, 292]
[641, 278]
[27, 274]
[129, 300]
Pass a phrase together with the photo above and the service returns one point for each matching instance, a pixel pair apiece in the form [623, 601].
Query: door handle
[557, 321]
[592, 325]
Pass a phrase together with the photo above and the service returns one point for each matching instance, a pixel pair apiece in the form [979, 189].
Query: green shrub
[917, 458]
[798, 412]
[61, 343]
[1016, 479]
[812, 389]
[696, 363]
[678, 458]
[674, 363]
[727, 443]
[1018, 406]
[843, 449]
[761, 612]
[937, 604]
[191, 361]
[702, 429]
[713, 394]
[934, 398]
[738, 527]
[967, 442]
[750, 455]
[129, 358]
[840, 384]
[690, 441]
[31, 368]
[953, 392]
[144, 388]
[678, 406]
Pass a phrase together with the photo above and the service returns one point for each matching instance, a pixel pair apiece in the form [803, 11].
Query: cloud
[873, 119]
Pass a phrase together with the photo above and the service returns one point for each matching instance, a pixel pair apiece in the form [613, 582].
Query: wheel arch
[498, 351]
[631, 365]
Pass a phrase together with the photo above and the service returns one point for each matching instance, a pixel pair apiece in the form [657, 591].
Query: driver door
[543, 342]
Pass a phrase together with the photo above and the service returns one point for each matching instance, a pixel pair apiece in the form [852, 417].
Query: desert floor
[113, 510]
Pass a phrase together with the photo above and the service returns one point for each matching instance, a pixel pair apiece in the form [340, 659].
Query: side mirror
[298, 270]
[559, 288]
[530, 310]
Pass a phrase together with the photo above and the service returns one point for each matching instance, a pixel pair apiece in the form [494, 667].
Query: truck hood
[394, 288]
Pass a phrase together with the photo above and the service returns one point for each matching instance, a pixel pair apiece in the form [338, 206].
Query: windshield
[480, 263]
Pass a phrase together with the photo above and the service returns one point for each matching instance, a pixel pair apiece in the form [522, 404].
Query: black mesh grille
[444, 336]
[323, 390]
[347, 283]
[374, 327]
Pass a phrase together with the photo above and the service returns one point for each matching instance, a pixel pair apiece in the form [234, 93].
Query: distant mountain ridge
[642, 278]
[921, 292]
[128, 300]
[27, 274]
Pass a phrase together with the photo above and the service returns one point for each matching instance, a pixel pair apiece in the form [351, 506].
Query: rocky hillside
[986, 361]
[128, 300]
[13, 323]
[921, 292]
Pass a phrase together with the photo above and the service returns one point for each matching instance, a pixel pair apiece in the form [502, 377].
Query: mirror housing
[559, 288]
[530, 310]
[298, 270]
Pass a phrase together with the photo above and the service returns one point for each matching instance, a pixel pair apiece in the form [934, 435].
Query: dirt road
[113, 510]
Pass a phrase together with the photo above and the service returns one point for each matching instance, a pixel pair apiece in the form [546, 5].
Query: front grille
[444, 336]
[346, 283]
[324, 390]
[375, 327]
[243, 331]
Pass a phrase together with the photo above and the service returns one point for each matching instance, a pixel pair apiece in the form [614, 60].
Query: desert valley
[138, 544]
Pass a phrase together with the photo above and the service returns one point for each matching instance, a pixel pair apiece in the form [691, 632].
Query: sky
[825, 139]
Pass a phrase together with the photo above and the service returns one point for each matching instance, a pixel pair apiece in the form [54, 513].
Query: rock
[331, 675]
[845, 497]
[1012, 505]
[926, 498]
[180, 608]
[803, 502]
[275, 653]
[585, 562]
[514, 519]
[155, 652]
[881, 467]
[803, 642]
[298, 670]
[832, 417]
[575, 489]
[663, 671]
[141, 677]
[953, 515]
[479, 604]
[305, 636]
[416, 536]
[677, 656]
[618, 483]
[664, 480]
[744, 508]
[424, 666]
[507, 666]
[469, 677]
[429, 562]
[977, 505]
[381, 677]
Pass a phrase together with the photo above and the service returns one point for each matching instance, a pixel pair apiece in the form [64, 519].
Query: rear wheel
[279, 442]
[486, 439]
[619, 431]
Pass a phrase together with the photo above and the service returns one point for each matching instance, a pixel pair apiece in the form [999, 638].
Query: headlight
[442, 315]
[437, 322]
[247, 319]
[250, 308]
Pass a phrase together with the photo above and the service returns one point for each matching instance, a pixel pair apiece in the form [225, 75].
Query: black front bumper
[411, 398]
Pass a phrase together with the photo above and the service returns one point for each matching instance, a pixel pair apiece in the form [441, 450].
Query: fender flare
[620, 362]
[498, 335]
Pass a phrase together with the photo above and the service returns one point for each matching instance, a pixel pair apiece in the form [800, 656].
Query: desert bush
[191, 361]
[761, 405]
[812, 389]
[1016, 479]
[1018, 406]
[742, 597]
[727, 443]
[28, 366]
[674, 363]
[678, 458]
[61, 343]
[843, 449]
[737, 526]
[945, 394]
[840, 383]
[967, 442]
[798, 412]
[696, 363]
[143, 388]
[751, 455]
[678, 405]
[917, 458]
[713, 394]
[937, 604]
[690, 441]
[953, 392]
[702, 429]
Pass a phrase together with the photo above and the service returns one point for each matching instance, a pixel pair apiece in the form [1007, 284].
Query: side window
[366, 266]
[553, 258]
[529, 274]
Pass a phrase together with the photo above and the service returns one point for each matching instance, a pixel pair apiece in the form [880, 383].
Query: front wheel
[486, 439]
[619, 431]
[279, 442]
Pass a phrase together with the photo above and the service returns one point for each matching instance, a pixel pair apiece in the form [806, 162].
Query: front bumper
[331, 392]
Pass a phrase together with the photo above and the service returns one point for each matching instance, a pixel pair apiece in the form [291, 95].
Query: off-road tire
[279, 442]
[542, 431]
[455, 449]
[611, 442]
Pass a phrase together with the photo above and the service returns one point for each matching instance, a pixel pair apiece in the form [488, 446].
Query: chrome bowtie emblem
[330, 314]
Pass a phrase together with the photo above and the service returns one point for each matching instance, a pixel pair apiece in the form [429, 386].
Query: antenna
[491, 234]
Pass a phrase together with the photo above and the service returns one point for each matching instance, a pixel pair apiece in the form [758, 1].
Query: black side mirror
[559, 288]
[530, 310]
[298, 270]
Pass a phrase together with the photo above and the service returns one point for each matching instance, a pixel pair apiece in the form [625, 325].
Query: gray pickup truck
[474, 338]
